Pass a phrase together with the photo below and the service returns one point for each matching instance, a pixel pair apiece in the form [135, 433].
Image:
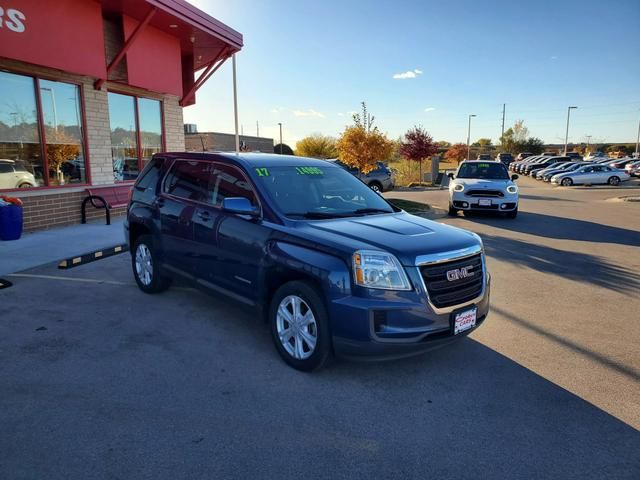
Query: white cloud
[408, 74]
[554, 57]
[429, 109]
[277, 110]
[308, 113]
[340, 114]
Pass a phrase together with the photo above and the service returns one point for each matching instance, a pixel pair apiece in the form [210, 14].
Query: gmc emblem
[459, 273]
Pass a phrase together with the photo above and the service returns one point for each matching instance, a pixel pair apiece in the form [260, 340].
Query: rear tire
[566, 182]
[301, 335]
[146, 266]
[615, 181]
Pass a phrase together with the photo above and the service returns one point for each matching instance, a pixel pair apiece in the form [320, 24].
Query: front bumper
[404, 325]
[460, 201]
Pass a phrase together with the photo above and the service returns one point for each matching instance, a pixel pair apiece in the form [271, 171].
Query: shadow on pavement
[580, 267]
[562, 228]
[630, 372]
[547, 198]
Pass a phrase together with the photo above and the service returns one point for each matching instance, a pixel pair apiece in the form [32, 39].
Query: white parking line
[69, 279]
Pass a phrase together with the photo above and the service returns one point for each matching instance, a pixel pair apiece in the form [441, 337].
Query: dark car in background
[505, 158]
[547, 162]
[327, 263]
[521, 156]
[381, 179]
[575, 156]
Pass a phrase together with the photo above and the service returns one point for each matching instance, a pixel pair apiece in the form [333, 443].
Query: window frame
[41, 130]
[163, 145]
[213, 163]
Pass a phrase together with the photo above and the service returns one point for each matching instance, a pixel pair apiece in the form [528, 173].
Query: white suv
[483, 186]
[13, 175]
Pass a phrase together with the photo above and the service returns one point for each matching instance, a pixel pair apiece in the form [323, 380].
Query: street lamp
[566, 136]
[638, 141]
[469, 137]
[280, 125]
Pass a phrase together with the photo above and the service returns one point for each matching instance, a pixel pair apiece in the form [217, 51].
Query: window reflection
[60, 103]
[150, 128]
[124, 142]
[132, 120]
[21, 164]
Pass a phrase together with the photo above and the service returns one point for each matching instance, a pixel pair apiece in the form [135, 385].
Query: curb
[92, 256]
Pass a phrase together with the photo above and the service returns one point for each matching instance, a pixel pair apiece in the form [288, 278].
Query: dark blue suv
[329, 264]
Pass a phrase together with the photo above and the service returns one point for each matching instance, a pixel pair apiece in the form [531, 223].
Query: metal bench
[108, 197]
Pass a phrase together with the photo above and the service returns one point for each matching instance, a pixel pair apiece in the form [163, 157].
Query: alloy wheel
[296, 327]
[144, 264]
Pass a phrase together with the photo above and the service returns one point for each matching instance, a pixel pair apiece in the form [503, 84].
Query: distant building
[224, 142]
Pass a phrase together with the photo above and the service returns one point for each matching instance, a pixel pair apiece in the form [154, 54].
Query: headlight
[458, 187]
[512, 189]
[376, 269]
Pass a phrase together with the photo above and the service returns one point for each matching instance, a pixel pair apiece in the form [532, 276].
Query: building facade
[90, 89]
[225, 142]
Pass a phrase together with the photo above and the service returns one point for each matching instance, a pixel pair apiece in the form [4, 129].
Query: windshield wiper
[317, 215]
[361, 211]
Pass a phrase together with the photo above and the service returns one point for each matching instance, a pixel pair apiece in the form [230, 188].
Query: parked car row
[572, 170]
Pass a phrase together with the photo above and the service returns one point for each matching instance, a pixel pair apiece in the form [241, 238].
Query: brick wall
[51, 210]
[173, 124]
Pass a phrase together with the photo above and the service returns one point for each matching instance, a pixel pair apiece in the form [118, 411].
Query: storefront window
[136, 133]
[150, 128]
[41, 143]
[60, 104]
[21, 164]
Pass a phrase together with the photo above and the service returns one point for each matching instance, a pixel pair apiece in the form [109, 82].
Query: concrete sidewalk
[39, 248]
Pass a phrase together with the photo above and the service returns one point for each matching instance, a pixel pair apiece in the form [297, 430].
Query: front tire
[452, 211]
[300, 326]
[376, 187]
[513, 214]
[615, 181]
[146, 266]
[566, 182]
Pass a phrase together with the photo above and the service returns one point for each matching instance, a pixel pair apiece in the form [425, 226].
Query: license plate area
[464, 319]
[484, 202]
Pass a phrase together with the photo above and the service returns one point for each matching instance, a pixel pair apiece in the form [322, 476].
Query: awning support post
[235, 102]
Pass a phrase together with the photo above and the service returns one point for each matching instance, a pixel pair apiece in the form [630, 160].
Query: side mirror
[239, 206]
[451, 176]
[514, 177]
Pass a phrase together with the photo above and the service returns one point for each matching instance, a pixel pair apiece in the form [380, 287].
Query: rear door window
[189, 179]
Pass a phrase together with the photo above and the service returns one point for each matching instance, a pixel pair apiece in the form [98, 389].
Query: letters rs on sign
[12, 19]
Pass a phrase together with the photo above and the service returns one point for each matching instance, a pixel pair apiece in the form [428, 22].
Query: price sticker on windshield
[262, 172]
[483, 165]
[309, 171]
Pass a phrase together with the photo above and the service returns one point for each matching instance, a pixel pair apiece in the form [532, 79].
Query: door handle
[160, 202]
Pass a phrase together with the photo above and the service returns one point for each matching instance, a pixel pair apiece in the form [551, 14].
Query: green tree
[362, 145]
[317, 146]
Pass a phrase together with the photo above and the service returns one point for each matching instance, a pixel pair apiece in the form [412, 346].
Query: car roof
[249, 160]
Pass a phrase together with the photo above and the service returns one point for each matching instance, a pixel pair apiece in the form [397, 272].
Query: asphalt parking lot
[99, 380]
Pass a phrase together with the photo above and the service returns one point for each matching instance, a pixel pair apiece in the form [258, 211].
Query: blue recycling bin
[10, 222]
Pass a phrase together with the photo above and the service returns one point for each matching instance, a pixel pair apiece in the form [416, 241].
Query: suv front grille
[485, 193]
[446, 284]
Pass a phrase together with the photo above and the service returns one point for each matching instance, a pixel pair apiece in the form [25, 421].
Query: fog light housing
[465, 204]
[504, 206]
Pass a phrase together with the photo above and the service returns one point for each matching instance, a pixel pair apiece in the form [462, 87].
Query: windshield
[319, 192]
[490, 171]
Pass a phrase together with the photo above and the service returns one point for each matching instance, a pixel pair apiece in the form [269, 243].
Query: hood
[482, 183]
[404, 235]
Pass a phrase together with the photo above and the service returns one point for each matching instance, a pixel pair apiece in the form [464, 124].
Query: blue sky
[308, 64]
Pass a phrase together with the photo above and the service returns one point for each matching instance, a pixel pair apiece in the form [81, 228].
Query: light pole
[566, 136]
[235, 102]
[469, 137]
[588, 137]
[638, 141]
[280, 125]
[53, 104]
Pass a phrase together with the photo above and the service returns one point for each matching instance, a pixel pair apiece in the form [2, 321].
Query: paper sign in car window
[309, 171]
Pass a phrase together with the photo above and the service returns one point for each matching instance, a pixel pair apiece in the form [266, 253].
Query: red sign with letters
[62, 34]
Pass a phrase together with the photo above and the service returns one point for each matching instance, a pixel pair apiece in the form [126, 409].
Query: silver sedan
[591, 175]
